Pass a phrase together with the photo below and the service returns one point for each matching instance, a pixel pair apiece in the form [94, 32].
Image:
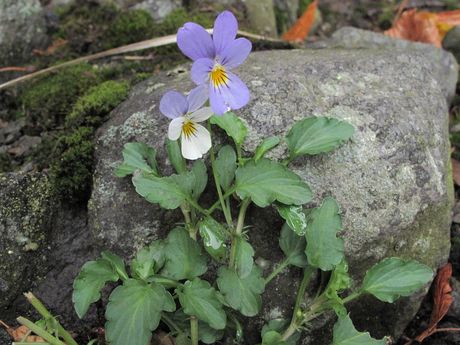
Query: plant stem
[39, 331]
[225, 210]
[194, 330]
[295, 322]
[238, 231]
[171, 324]
[188, 221]
[351, 297]
[38, 305]
[230, 191]
[277, 270]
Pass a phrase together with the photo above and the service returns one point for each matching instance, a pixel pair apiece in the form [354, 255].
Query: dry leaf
[299, 31]
[456, 171]
[442, 300]
[55, 45]
[162, 338]
[22, 334]
[423, 26]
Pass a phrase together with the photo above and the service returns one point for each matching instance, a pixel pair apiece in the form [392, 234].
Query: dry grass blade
[153, 43]
[22, 334]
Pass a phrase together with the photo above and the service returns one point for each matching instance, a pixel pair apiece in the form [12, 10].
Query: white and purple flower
[214, 57]
[186, 113]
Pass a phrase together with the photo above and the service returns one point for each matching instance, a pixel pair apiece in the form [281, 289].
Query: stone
[261, 16]
[158, 9]
[22, 29]
[445, 67]
[24, 145]
[392, 180]
[26, 210]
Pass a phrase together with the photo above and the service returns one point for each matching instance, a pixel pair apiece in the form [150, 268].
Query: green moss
[303, 4]
[129, 27]
[179, 17]
[91, 108]
[72, 171]
[48, 100]
[282, 20]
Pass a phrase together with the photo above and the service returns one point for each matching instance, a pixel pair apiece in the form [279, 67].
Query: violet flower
[214, 58]
[185, 113]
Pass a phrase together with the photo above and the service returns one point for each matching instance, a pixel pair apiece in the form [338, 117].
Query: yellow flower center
[218, 76]
[188, 128]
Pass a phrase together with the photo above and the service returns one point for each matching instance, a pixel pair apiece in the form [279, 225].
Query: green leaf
[206, 333]
[232, 125]
[117, 263]
[225, 166]
[175, 156]
[89, 282]
[324, 249]
[267, 181]
[346, 334]
[184, 259]
[160, 190]
[294, 217]
[317, 135]
[199, 299]
[200, 179]
[182, 339]
[137, 156]
[393, 277]
[243, 294]
[272, 338]
[265, 146]
[214, 236]
[293, 247]
[280, 325]
[339, 281]
[148, 260]
[243, 257]
[134, 311]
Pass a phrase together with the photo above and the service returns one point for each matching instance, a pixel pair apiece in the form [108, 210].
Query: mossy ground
[66, 107]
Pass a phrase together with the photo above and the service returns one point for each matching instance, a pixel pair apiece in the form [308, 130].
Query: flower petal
[201, 115]
[236, 52]
[195, 42]
[173, 104]
[195, 146]
[197, 97]
[233, 95]
[200, 70]
[175, 128]
[224, 32]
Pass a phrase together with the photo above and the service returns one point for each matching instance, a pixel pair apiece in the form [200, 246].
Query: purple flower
[214, 58]
[185, 113]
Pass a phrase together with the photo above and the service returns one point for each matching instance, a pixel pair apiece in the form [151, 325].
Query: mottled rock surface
[444, 66]
[22, 29]
[392, 179]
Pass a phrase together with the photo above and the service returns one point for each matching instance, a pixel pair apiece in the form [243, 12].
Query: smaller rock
[158, 9]
[10, 131]
[452, 42]
[261, 16]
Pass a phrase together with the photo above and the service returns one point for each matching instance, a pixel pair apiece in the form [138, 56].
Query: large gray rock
[392, 179]
[444, 66]
[22, 29]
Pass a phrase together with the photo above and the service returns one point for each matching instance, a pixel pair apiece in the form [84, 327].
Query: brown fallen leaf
[456, 171]
[442, 300]
[162, 338]
[55, 45]
[299, 31]
[22, 334]
[423, 26]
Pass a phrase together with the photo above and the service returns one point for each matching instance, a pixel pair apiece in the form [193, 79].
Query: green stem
[195, 205]
[38, 305]
[169, 283]
[351, 297]
[277, 270]
[194, 330]
[238, 231]
[227, 214]
[296, 321]
[188, 221]
[217, 203]
[39, 331]
[171, 324]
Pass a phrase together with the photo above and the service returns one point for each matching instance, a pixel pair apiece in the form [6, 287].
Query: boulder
[22, 29]
[445, 67]
[392, 180]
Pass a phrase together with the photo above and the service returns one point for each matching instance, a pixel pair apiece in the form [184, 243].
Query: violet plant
[165, 283]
